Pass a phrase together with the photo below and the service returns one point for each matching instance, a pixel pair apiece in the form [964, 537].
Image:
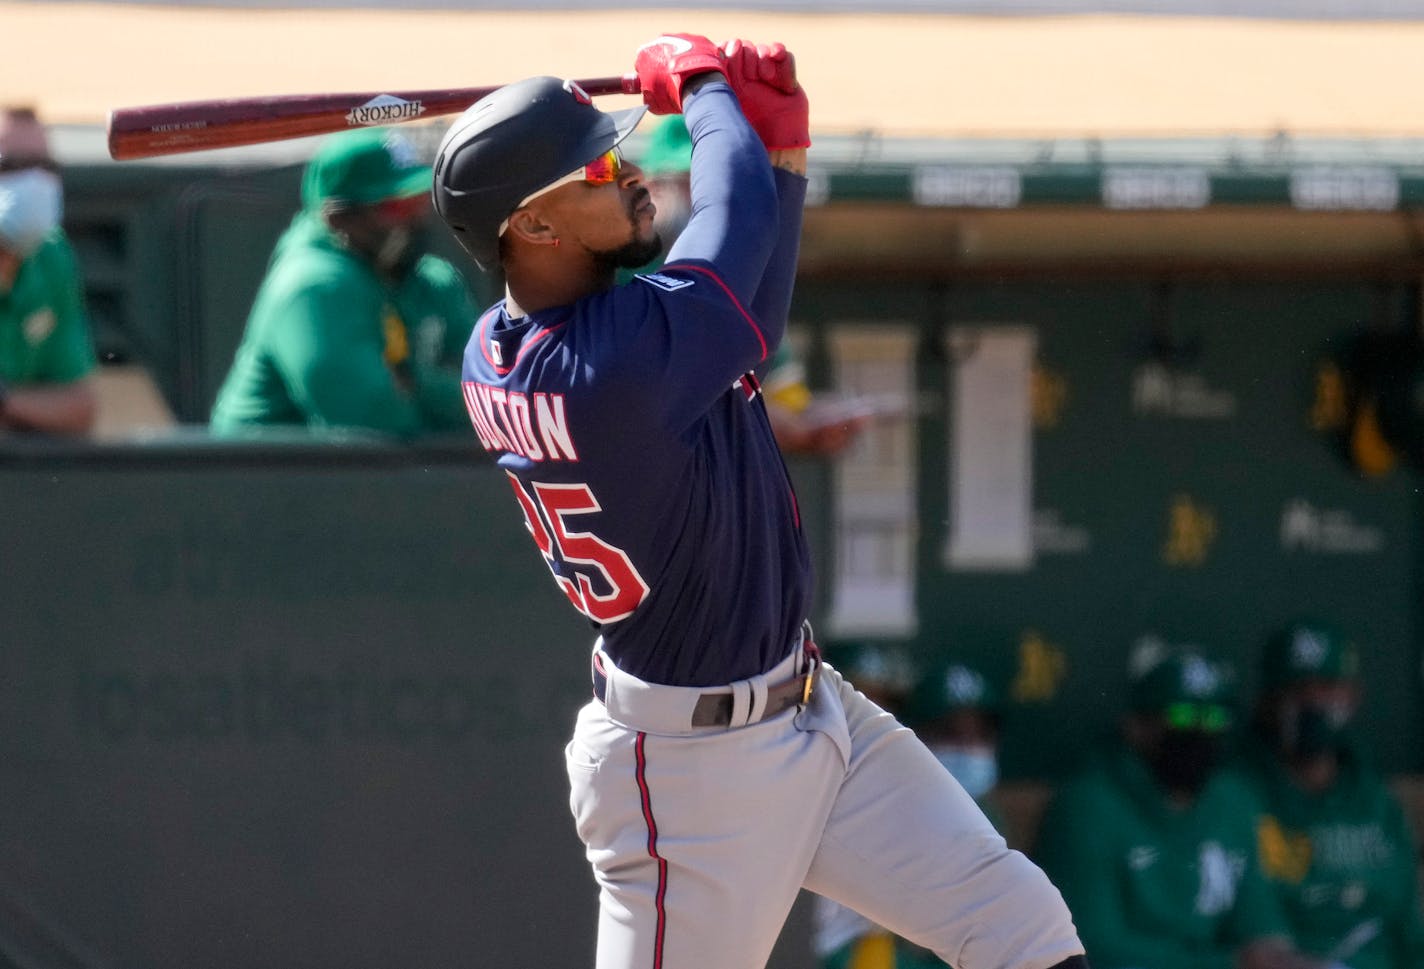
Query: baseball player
[719, 766]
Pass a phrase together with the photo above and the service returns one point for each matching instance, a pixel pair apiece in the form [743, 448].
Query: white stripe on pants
[700, 842]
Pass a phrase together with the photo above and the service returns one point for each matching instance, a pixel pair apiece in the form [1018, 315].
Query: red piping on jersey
[652, 849]
[524, 347]
[683, 267]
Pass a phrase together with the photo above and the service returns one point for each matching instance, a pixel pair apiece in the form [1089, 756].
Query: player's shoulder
[665, 281]
[681, 288]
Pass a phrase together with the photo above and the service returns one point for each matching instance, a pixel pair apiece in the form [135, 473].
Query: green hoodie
[1344, 863]
[1150, 885]
[330, 344]
[44, 332]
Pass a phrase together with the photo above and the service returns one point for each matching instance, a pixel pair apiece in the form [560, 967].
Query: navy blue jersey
[635, 439]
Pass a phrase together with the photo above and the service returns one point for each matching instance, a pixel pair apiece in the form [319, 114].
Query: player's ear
[527, 225]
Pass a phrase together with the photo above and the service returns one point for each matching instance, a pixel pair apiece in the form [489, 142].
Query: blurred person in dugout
[1334, 839]
[799, 427]
[841, 937]
[46, 353]
[355, 325]
[1154, 845]
[956, 712]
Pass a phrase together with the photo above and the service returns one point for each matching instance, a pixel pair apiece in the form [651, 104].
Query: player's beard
[636, 252]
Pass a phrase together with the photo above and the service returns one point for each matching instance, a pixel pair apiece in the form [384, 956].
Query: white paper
[990, 448]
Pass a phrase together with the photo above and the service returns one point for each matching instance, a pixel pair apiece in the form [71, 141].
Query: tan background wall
[899, 74]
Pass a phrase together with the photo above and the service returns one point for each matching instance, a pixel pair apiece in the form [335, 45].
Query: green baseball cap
[874, 665]
[669, 148]
[364, 166]
[1184, 682]
[954, 687]
[1305, 650]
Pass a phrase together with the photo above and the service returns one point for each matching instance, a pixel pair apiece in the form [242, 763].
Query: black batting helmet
[509, 145]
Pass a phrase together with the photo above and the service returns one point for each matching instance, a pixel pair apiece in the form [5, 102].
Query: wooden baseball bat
[171, 129]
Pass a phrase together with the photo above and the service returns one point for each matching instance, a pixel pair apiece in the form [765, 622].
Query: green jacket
[330, 344]
[1344, 863]
[44, 334]
[1152, 886]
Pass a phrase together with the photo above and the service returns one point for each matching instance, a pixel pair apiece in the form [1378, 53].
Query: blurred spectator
[799, 428]
[355, 325]
[1154, 847]
[958, 715]
[1334, 840]
[46, 354]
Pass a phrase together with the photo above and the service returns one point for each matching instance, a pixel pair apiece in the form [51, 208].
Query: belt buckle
[813, 657]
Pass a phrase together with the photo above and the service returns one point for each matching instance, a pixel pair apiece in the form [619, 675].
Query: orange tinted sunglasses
[605, 168]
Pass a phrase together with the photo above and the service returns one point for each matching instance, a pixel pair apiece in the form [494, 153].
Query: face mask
[1307, 730]
[975, 768]
[31, 201]
[1185, 759]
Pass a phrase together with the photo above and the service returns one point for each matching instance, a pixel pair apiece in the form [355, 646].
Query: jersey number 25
[583, 552]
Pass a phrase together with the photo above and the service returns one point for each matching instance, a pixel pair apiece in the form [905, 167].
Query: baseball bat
[171, 129]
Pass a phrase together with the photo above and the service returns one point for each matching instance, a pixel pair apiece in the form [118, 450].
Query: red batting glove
[764, 79]
[665, 64]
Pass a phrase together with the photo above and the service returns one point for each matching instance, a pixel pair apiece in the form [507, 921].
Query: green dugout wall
[287, 704]
[1205, 512]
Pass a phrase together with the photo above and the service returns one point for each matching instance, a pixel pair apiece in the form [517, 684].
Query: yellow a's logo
[1041, 669]
[1330, 410]
[1285, 855]
[1049, 393]
[397, 349]
[1191, 530]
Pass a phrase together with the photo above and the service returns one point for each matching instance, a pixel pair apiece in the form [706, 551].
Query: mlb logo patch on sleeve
[666, 283]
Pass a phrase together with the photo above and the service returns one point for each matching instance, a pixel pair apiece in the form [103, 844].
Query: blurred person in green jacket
[957, 712]
[1154, 847]
[355, 324]
[1334, 840]
[46, 354]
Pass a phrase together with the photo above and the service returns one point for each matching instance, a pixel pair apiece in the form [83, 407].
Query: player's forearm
[791, 160]
[68, 408]
[734, 197]
[772, 304]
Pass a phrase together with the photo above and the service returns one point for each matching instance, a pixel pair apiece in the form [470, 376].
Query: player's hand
[665, 64]
[764, 79]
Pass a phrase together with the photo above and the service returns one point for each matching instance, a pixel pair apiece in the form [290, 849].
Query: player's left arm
[775, 105]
